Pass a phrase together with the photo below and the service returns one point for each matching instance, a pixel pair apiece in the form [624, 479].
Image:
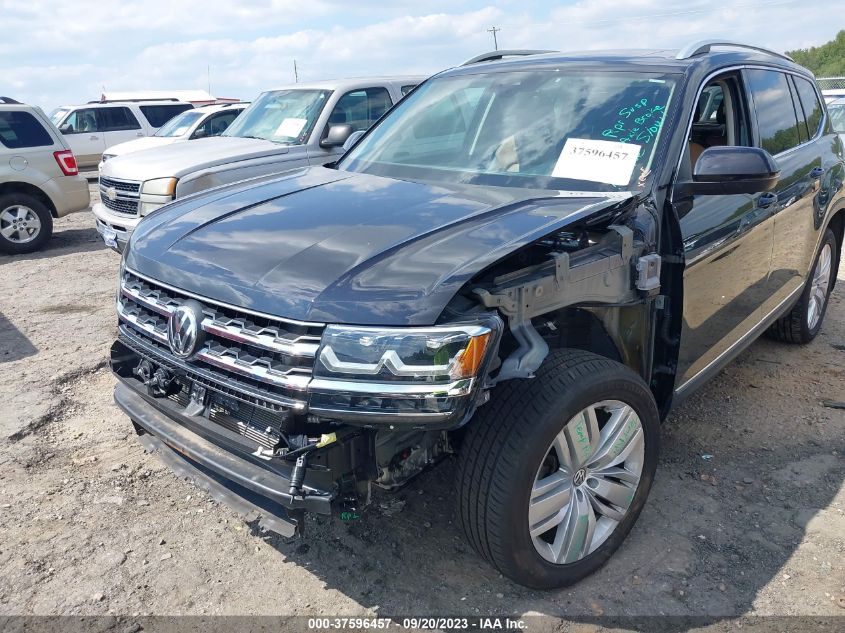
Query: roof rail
[496, 55]
[8, 100]
[704, 46]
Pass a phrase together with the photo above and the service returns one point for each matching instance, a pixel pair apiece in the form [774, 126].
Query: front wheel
[554, 471]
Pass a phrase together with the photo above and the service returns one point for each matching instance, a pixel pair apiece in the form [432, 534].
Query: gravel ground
[745, 518]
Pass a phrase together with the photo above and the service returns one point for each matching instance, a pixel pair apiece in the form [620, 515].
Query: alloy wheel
[19, 224]
[586, 482]
[819, 286]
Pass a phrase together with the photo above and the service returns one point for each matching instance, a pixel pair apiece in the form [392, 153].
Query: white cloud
[58, 52]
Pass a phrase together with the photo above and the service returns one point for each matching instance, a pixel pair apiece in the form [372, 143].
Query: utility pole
[494, 30]
[208, 74]
[295, 73]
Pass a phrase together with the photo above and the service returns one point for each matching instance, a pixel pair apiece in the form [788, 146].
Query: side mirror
[727, 170]
[67, 128]
[352, 139]
[337, 136]
[200, 133]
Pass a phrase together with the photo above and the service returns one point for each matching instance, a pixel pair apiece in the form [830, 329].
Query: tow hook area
[160, 383]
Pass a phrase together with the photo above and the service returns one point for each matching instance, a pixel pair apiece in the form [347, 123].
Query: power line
[494, 30]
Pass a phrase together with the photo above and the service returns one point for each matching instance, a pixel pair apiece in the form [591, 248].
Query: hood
[147, 142]
[178, 159]
[331, 246]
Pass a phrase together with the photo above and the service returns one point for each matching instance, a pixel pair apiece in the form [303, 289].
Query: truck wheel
[25, 223]
[803, 322]
[553, 473]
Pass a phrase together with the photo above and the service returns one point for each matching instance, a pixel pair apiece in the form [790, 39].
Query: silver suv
[39, 179]
[288, 128]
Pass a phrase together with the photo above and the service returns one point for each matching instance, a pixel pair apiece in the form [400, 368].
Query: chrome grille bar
[217, 324]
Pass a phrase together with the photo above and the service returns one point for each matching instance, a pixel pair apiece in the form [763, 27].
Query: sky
[57, 52]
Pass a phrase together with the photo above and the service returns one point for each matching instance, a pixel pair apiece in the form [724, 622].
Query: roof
[214, 107]
[192, 96]
[100, 104]
[654, 60]
[352, 82]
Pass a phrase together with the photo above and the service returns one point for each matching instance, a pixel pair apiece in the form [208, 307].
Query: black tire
[39, 209]
[793, 327]
[508, 439]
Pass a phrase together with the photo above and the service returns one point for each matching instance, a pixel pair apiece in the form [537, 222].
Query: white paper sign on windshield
[609, 162]
[290, 127]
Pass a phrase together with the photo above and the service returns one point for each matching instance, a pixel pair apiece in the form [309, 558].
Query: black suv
[524, 264]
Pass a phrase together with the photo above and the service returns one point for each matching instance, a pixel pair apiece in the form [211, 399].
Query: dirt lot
[746, 516]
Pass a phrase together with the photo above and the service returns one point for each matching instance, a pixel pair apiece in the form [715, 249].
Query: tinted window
[158, 115]
[361, 108]
[21, 129]
[811, 104]
[775, 113]
[114, 119]
[803, 133]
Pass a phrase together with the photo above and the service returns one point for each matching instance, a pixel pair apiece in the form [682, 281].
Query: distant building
[196, 97]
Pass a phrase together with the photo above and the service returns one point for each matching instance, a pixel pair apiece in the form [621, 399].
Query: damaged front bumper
[221, 461]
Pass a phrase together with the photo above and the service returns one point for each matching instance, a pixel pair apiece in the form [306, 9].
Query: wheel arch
[29, 189]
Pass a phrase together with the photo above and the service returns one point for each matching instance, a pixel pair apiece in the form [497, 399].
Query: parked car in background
[526, 264]
[290, 127]
[837, 116]
[201, 122]
[39, 179]
[89, 129]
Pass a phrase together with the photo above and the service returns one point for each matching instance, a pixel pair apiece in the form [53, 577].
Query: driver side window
[720, 117]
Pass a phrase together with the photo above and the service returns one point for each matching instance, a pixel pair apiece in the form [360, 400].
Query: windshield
[58, 114]
[837, 116]
[583, 131]
[281, 116]
[180, 124]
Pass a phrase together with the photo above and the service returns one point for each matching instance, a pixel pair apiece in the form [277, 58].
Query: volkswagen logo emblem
[184, 333]
[579, 477]
[111, 194]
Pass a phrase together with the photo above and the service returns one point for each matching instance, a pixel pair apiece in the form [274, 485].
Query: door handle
[139, 134]
[766, 200]
[817, 173]
[94, 138]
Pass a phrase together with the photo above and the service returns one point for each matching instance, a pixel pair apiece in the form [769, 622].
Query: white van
[89, 129]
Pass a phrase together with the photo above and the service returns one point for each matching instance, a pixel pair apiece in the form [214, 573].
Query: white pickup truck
[287, 128]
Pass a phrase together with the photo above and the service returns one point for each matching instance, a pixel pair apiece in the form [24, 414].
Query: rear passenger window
[158, 115]
[776, 119]
[21, 129]
[114, 119]
[810, 102]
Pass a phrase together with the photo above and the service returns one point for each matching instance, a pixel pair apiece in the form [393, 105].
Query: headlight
[159, 187]
[417, 355]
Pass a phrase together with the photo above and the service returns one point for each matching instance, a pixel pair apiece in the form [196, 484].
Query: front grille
[127, 186]
[257, 359]
[126, 207]
[120, 196]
